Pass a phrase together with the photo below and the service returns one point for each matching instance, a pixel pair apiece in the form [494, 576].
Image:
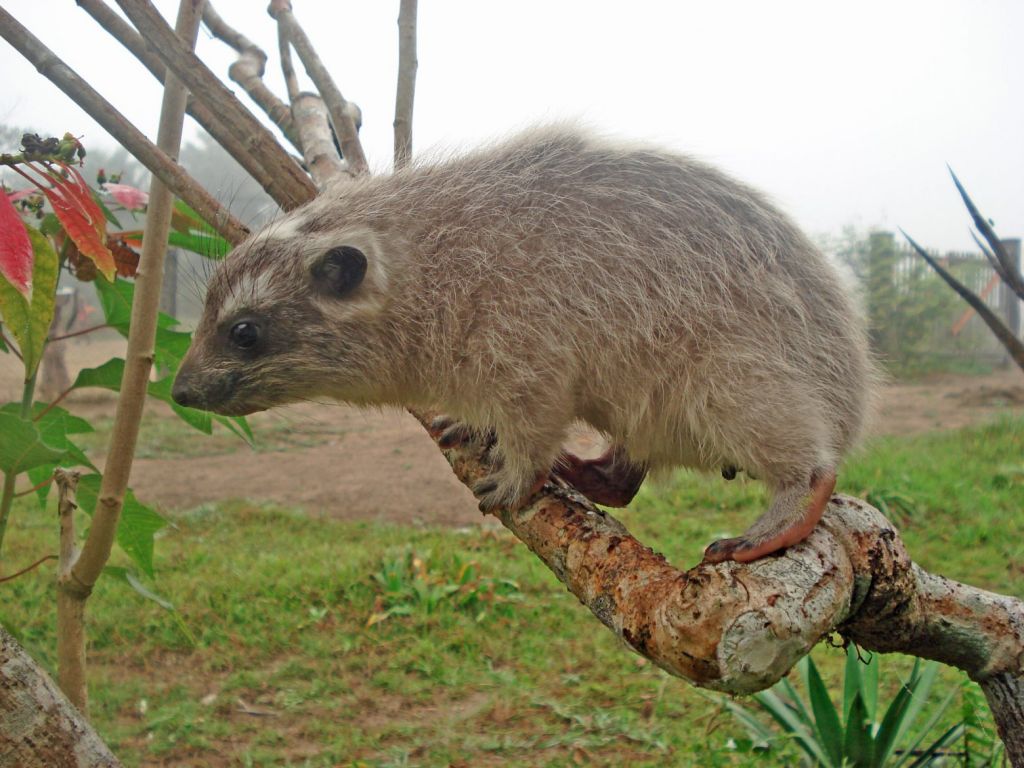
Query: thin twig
[82, 332]
[1006, 337]
[318, 148]
[23, 571]
[284, 49]
[83, 94]
[406, 90]
[206, 87]
[10, 346]
[53, 404]
[71, 597]
[38, 486]
[341, 112]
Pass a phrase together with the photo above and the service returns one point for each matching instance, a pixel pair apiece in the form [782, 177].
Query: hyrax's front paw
[502, 489]
[451, 433]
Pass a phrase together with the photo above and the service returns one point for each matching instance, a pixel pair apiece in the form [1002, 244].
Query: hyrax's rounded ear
[339, 271]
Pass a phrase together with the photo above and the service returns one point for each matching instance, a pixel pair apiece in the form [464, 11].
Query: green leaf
[210, 246]
[3, 347]
[858, 744]
[38, 475]
[826, 719]
[785, 716]
[951, 736]
[29, 323]
[885, 739]
[116, 302]
[914, 745]
[851, 682]
[920, 684]
[132, 580]
[136, 527]
[106, 376]
[22, 446]
[50, 225]
[54, 426]
[869, 686]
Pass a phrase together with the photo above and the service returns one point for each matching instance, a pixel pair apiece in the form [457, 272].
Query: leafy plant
[73, 236]
[859, 734]
[407, 583]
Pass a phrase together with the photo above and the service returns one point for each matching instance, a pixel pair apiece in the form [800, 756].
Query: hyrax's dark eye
[245, 334]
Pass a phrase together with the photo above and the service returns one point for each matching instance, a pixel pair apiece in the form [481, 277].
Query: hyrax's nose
[183, 393]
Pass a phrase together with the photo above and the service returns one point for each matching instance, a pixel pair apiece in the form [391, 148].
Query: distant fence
[918, 322]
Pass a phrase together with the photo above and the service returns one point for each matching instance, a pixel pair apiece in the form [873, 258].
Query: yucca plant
[860, 735]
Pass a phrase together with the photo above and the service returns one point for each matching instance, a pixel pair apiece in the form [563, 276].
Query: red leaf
[130, 197]
[81, 218]
[15, 249]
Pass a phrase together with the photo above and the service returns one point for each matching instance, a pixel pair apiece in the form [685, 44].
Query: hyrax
[551, 278]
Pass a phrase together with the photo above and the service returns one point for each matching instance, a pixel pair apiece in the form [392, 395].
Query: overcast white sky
[843, 112]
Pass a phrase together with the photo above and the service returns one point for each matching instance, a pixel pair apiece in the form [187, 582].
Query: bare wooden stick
[341, 112]
[208, 89]
[39, 726]
[83, 94]
[248, 72]
[1006, 337]
[142, 330]
[70, 604]
[267, 169]
[284, 49]
[406, 90]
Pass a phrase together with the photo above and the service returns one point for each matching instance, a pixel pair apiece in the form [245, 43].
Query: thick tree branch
[248, 71]
[159, 163]
[267, 169]
[406, 90]
[40, 726]
[208, 89]
[739, 628]
[342, 114]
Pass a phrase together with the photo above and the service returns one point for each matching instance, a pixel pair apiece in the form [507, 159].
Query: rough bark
[739, 628]
[39, 725]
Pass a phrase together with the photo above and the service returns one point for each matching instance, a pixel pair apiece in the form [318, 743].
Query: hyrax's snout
[209, 393]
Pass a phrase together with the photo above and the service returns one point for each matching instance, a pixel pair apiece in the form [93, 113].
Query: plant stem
[7, 495]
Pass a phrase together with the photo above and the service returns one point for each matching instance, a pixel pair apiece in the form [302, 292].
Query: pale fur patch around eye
[249, 292]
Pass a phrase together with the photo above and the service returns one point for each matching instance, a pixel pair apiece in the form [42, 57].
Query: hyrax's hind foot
[790, 519]
[610, 479]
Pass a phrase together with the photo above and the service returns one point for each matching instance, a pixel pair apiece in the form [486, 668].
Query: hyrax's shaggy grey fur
[552, 278]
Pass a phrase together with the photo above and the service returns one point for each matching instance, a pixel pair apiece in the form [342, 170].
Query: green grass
[506, 669]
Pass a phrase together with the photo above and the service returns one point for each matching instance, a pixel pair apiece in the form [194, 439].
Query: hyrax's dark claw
[439, 425]
[455, 435]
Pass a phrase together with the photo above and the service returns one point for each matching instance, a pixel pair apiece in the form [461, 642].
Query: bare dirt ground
[356, 464]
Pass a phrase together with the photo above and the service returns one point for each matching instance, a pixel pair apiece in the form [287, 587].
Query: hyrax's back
[676, 310]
